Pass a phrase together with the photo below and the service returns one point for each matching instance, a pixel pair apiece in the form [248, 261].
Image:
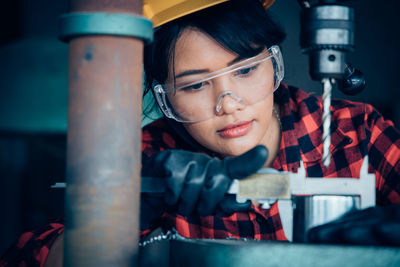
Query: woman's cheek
[202, 132]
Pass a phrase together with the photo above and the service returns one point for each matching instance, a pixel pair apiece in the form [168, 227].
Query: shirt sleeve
[32, 248]
[383, 155]
[156, 137]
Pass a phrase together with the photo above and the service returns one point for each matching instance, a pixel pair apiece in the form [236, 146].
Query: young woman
[216, 75]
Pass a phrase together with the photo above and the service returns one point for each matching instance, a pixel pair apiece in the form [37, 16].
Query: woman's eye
[194, 87]
[246, 71]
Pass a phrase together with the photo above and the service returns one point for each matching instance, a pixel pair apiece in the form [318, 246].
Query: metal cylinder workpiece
[311, 211]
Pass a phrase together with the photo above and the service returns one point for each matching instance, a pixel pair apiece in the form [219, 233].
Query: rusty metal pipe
[104, 144]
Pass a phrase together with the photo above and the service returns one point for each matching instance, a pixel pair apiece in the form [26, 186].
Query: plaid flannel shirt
[357, 130]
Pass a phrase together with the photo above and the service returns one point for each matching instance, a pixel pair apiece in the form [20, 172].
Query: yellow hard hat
[163, 11]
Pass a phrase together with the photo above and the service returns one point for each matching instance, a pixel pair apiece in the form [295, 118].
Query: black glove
[376, 226]
[197, 183]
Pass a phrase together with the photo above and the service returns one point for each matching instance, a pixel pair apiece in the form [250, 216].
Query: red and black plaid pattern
[357, 130]
[32, 248]
[261, 224]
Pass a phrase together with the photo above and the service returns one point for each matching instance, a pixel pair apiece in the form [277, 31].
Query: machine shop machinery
[327, 35]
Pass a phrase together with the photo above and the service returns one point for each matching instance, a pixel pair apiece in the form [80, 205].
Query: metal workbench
[235, 253]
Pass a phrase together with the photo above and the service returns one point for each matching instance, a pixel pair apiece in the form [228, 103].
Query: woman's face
[237, 127]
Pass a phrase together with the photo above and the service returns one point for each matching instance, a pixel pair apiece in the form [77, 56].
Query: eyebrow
[191, 72]
[200, 71]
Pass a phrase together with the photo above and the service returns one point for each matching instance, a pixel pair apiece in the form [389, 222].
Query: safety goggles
[202, 97]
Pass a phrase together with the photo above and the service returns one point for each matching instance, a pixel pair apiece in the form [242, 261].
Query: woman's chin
[237, 148]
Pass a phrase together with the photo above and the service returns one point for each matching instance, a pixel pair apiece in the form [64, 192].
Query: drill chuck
[327, 34]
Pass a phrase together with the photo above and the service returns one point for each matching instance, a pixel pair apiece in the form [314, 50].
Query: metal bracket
[99, 23]
[269, 186]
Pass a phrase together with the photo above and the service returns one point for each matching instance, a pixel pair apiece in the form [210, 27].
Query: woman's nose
[228, 102]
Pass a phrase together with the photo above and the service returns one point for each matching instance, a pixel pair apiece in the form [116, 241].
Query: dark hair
[241, 26]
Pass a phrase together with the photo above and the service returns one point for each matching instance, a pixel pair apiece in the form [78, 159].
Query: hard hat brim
[161, 13]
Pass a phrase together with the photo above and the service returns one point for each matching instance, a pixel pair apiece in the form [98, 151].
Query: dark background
[33, 96]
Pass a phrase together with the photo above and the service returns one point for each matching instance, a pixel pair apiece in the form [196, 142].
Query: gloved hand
[376, 226]
[197, 183]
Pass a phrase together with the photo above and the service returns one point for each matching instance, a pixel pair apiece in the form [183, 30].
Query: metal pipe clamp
[102, 23]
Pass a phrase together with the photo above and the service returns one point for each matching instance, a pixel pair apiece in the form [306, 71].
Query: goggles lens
[248, 82]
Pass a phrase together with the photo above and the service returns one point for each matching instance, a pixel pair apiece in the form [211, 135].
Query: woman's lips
[236, 129]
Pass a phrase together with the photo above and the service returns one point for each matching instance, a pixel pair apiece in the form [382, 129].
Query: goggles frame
[274, 51]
